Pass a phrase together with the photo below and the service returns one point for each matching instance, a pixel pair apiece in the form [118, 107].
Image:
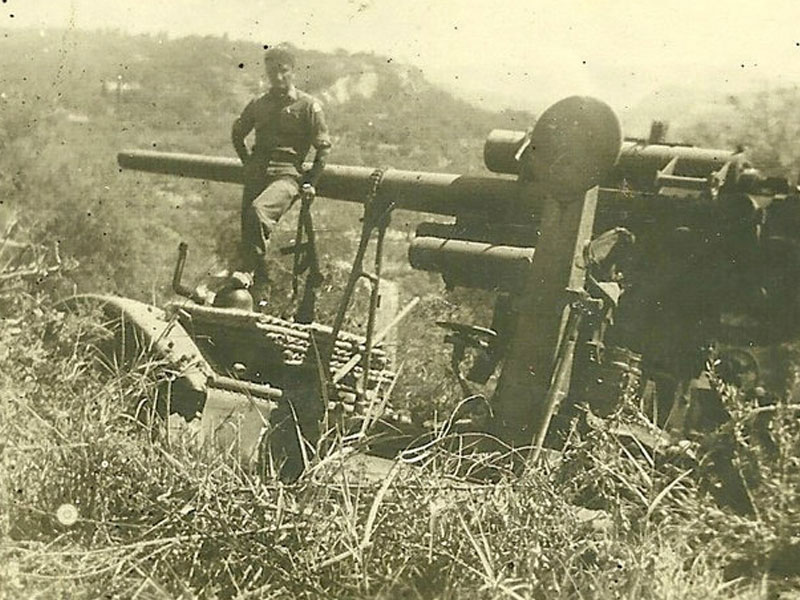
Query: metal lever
[177, 286]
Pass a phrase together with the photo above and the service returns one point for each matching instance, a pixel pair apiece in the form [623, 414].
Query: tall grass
[100, 502]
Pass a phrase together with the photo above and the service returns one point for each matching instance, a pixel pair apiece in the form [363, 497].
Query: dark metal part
[706, 223]
[435, 193]
[258, 390]
[537, 345]
[638, 161]
[572, 148]
[471, 264]
[234, 297]
[645, 166]
[310, 261]
[374, 299]
[604, 376]
[503, 149]
[522, 231]
[197, 166]
[177, 276]
[561, 377]
[376, 215]
[658, 132]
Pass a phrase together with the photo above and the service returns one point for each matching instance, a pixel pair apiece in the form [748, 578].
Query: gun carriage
[615, 264]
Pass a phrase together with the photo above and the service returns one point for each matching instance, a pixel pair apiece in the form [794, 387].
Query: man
[287, 122]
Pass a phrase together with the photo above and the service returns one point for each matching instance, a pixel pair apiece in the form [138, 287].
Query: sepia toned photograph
[404, 299]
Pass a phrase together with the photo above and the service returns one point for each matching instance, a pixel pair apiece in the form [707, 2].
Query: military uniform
[286, 125]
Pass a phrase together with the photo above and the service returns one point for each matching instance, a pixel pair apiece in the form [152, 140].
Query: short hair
[279, 56]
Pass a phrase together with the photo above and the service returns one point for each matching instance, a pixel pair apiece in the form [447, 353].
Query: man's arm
[241, 128]
[321, 140]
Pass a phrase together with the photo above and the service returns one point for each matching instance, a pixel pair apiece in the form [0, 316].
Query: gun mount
[582, 312]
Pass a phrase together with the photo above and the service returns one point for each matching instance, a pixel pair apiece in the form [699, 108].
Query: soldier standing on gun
[287, 123]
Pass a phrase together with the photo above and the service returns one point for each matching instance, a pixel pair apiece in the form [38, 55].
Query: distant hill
[680, 106]
[70, 100]
[191, 89]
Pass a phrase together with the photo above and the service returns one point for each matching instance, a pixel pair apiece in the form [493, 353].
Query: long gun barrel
[649, 167]
[435, 193]
[641, 167]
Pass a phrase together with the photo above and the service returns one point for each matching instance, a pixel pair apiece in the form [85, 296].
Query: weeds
[155, 517]
[100, 502]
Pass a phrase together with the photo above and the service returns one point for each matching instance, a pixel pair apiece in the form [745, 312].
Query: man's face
[280, 75]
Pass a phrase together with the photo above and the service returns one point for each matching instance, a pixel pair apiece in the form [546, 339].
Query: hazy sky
[520, 53]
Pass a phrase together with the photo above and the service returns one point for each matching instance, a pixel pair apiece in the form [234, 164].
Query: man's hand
[307, 191]
[313, 174]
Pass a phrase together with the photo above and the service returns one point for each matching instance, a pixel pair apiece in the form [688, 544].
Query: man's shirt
[286, 127]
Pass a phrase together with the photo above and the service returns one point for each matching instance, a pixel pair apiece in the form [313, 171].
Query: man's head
[279, 64]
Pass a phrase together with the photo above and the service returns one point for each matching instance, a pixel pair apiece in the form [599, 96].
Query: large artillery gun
[616, 264]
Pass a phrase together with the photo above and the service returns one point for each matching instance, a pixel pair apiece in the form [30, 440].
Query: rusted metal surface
[293, 336]
[267, 350]
[147, 332]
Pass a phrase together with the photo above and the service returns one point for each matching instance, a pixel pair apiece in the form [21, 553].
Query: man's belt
[276, 156]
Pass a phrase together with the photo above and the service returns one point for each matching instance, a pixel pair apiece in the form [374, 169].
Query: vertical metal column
[542, 310]
[573, 146]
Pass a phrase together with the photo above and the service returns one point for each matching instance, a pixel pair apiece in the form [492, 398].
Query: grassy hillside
[99, 499]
